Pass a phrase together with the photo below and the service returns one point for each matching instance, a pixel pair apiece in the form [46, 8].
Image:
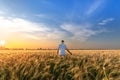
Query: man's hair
[62, 40]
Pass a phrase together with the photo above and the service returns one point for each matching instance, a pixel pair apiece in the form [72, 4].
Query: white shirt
[62, 48]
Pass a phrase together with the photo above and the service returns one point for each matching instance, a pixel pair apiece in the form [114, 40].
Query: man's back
[62, 48]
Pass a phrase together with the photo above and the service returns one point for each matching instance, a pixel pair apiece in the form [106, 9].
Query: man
[62, 48]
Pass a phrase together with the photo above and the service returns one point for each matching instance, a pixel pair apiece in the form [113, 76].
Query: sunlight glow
[2, 42]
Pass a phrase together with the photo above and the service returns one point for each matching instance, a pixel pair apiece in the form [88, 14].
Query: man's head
[62, 41]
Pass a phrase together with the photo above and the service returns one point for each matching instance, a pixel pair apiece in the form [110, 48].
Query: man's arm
[68, 51]
[57, 50]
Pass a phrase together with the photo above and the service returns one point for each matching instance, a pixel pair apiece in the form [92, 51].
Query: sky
[83, 24]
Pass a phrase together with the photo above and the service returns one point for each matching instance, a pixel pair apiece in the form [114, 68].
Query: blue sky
[81, 23]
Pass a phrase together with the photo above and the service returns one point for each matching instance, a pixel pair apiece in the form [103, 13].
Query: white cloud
[105, 21]
[17, 25]
[32, 36]
[80, 32]
[57, 34]
[97, 4]
[27, 29]
[37, 31]
[10, 25]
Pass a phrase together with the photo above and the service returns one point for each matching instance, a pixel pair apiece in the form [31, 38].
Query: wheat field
[47, 65]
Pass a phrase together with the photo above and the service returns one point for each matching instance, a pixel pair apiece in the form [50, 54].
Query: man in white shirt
[61, 49]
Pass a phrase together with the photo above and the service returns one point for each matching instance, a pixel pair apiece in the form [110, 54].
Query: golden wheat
[47, 65]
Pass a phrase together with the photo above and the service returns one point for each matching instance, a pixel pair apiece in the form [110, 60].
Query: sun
[2, 42]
